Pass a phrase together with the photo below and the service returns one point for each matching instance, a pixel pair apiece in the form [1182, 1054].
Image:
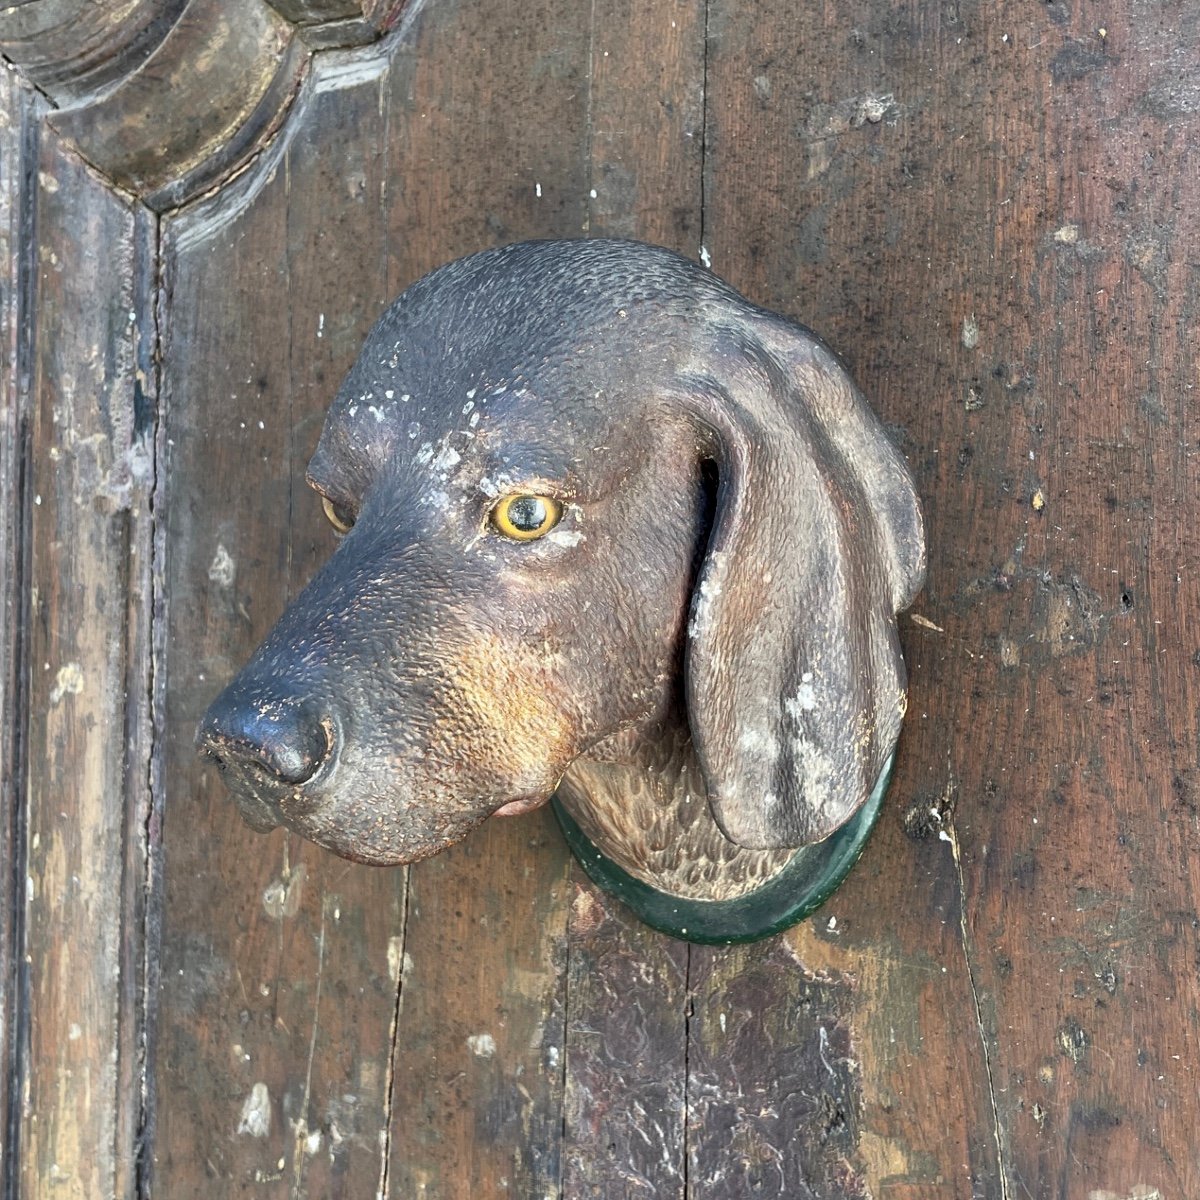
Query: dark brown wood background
[992, 210]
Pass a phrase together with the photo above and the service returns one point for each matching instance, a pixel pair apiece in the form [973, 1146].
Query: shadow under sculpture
[615, 536]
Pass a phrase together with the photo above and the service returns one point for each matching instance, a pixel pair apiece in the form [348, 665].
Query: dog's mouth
[514, 808]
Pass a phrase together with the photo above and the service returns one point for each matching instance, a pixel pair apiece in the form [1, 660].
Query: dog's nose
[269, 743]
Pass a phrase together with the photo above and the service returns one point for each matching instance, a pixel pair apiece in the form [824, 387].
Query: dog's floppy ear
[794, 680]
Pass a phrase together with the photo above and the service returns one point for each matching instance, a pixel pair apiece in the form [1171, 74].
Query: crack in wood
[147, 609]
[389, 1083]
[950, 835]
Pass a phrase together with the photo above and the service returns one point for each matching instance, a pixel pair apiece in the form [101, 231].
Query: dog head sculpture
[597, 508]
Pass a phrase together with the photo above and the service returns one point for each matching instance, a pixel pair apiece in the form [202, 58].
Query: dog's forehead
[544, 337]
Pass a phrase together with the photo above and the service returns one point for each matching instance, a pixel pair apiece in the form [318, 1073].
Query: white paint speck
[708, 592]
[706, 258]
[537, 190]
[222, 570]
[871, 109]
[68, 682]
[760, 743]
[256, 1112]
[970, 333]
[321, 325]
[805, 699]
[74, 1033]
[482, 1044]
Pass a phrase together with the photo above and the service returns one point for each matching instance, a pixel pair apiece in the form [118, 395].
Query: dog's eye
[525, 518]
[339, 517]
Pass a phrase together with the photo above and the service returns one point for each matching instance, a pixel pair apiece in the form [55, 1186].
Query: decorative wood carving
[168, 99]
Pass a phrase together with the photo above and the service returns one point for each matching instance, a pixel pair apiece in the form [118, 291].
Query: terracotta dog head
[583, 485]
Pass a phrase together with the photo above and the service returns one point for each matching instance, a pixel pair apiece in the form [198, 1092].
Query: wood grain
[991, 212]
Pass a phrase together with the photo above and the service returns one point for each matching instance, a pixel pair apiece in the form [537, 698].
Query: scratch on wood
[950, 834]
[303, 1140]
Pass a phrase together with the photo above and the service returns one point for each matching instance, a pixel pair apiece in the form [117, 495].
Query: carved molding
[169, 97]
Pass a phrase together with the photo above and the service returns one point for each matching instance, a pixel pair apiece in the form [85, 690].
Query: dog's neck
[640, 797]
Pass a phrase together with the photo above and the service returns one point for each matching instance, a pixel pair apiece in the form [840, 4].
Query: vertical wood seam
[153, 881]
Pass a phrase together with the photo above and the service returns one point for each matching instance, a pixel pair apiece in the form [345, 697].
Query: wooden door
[993, 212]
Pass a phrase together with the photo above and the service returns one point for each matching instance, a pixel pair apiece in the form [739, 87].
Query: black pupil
[527, 513]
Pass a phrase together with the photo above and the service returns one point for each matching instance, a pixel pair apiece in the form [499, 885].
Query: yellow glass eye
[340, 518]
[525, 518]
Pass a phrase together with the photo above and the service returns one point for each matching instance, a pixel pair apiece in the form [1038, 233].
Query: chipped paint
[68, 682]
[281, 898]
[482, 1045]
[223, 569]
[395, 958]
[256, 1112]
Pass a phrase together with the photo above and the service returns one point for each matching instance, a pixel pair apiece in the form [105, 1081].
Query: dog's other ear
[794, 679]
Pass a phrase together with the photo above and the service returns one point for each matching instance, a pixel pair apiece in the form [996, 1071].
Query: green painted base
[802, 886]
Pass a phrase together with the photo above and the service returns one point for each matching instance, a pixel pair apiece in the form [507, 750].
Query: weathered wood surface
[992, 212]
[14, 441]
[80, 852]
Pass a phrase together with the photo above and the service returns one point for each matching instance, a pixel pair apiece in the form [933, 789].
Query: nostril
[296, 759]
[276, 742]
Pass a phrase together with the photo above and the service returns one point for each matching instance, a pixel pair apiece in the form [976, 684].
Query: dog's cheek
[510, 727]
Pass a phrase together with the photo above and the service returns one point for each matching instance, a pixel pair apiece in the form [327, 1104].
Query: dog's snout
[265, 744]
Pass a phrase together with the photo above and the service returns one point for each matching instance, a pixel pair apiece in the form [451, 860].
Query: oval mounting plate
[807, 881]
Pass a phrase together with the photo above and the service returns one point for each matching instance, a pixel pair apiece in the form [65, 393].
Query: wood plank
[870, 1076]
[88, 468]
[987, 213]
[627, 996]
[279, 961]
[487, 117]
[18, 124]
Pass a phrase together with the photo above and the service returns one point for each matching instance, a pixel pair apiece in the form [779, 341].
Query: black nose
[264, 743]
